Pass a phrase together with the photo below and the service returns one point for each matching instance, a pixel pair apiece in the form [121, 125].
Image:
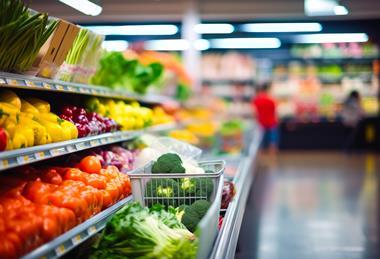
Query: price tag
[94, 142]
[59, 87]
[70, 148]
[76, 240]
[22, 159]
[81, 145]
[47, 86]
[91, 230]
[4, 163]
[2, 81]
[39, 155]
[30, 83]
[71, 89]
[57, 151]
[12, 82]
[103, 141]
[60, 250]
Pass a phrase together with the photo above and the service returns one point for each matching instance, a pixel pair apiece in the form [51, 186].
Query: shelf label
[94, 142]
[59, 87]
[39, 155]
[91, 230]
[2, 81]
[76, 240]
[22, 159]
[70, 148]
[103, 141]
[71, 89]
[4, 163]
[81, 145]
[12, 82]
[60, 250]
[47, 86]
[30, 83]
[57, 151]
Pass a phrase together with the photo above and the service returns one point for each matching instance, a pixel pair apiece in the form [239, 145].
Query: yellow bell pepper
[71, 128]
[53, 129]
[41, 105]
[11, 98]
[28, 108]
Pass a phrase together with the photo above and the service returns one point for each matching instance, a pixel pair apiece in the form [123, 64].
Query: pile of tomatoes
[37, 205]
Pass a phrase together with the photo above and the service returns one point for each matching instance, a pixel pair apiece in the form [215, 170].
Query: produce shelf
[18, 157]
[11, 80]
[76, 236]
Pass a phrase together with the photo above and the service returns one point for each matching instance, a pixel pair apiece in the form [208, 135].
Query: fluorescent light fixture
[320, 7]
[245, 43]
[340, 10]
[282, 27]
[167, 45]
[214, 28]
[331, 37]
[202, 44]
[115, 45]
[176, 45]
[84, 6]
[157, 29]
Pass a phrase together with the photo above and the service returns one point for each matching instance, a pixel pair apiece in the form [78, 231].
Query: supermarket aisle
[313, 205]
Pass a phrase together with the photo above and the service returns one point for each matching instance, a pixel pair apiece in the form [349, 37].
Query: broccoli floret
[166, 163]
[190, 218]
[178, 169]
[201, 207]
[161, 191]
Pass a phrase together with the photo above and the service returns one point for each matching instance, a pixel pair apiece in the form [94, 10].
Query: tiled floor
[313, 205]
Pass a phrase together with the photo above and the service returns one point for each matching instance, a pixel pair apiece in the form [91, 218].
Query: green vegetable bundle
[21, 35]
[116, 72]
[136, 232]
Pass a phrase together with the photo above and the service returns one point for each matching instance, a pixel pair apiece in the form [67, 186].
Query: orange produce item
[90, 164]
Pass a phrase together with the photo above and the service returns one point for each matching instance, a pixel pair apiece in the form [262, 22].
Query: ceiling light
[176, 45]
[167, 45]
[213, 28]
[331, 37]
[282, 27]
[84, 6]
[340, 10]
[163, 29]
[202, 44]
[115, 45]
[245, 43]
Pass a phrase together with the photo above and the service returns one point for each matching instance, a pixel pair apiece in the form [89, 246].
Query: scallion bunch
[22, 35]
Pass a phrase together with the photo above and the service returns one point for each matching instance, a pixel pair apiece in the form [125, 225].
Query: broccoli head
[201, 207]
[190, 218]
[161, 191]
[168, 163]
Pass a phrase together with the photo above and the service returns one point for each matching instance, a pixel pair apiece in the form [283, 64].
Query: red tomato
[97, 181]
[51, 176]
[90, 164]
[75, 175]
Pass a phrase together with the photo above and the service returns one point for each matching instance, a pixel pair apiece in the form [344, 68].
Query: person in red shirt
[265, 108]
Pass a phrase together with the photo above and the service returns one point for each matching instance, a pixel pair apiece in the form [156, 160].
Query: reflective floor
[313, 205]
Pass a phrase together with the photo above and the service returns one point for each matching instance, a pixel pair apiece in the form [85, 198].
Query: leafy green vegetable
[116, 72]
[232, 127]
[136, 232]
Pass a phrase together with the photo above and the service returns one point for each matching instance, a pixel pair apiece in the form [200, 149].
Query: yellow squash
[41, 105]
[28, 108]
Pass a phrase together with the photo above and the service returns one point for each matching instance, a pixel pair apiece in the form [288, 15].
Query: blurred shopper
[265, 108]
[352, 114]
